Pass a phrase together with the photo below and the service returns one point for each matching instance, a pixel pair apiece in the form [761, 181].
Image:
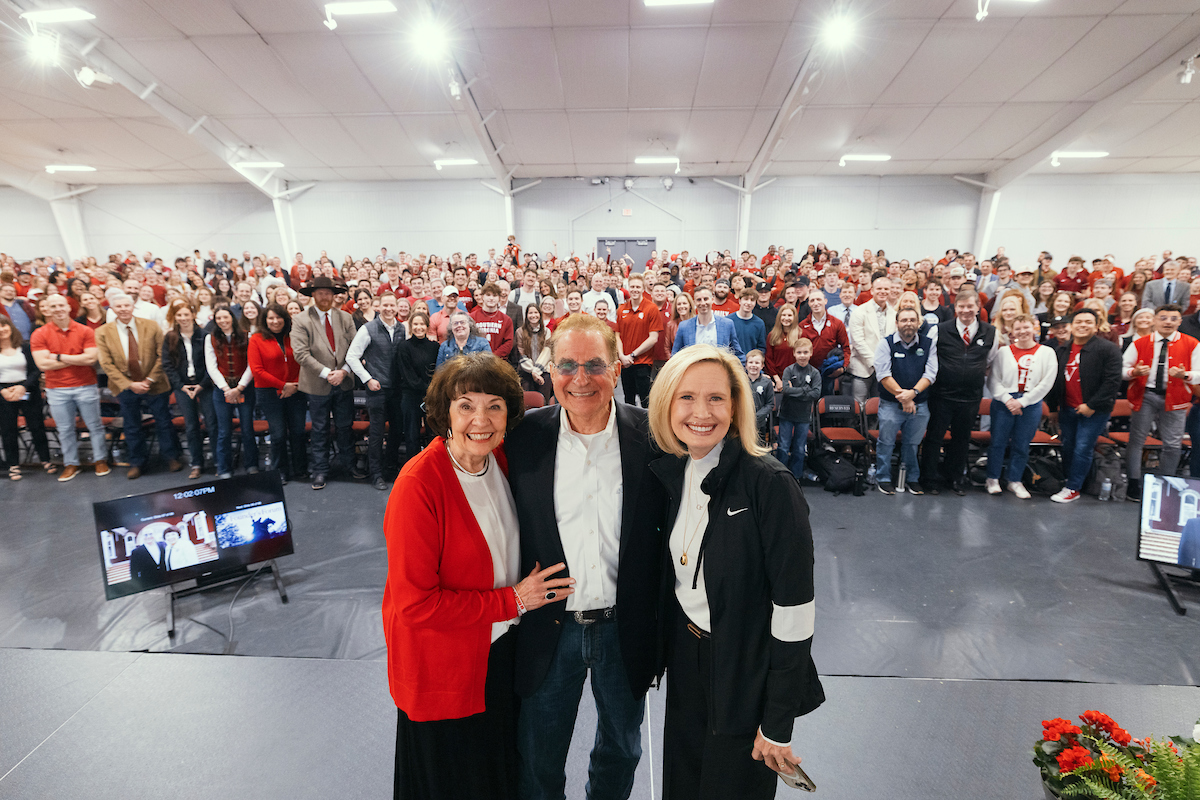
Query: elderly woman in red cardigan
[453, 595]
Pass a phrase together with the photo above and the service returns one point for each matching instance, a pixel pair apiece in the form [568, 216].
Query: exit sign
[626, 212]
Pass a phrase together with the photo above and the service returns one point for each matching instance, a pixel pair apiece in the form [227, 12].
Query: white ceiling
[582, 87]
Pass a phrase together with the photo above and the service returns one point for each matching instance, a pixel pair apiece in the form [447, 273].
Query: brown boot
[134, 473]
[69, 471]
[174, 465]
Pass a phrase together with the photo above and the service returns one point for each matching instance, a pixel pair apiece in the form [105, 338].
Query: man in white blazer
[1170, 288]
[869, 323]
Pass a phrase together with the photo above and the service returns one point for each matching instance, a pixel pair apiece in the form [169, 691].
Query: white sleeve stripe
[793, 623]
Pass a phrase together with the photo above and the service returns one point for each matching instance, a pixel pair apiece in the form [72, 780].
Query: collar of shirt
[973, 328]
[700, 467]
[568, 436]
[907, 345]
[812, 320]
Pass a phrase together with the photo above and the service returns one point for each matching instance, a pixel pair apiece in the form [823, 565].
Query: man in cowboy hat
[321, 335]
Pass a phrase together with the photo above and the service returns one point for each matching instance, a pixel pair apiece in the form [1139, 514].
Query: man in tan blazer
[321, 335]
[130, 352]
[869, 323]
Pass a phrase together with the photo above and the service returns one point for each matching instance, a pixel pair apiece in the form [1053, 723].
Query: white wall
[1129, 216]
[912, 216]
[695, 216]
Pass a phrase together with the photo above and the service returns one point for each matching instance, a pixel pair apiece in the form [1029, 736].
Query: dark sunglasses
[568, 368]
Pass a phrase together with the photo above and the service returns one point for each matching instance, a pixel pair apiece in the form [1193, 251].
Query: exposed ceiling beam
[791, 108]
[1161, 61]
[34, 183]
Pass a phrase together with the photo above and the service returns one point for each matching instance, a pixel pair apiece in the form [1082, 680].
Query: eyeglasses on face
[568, 368]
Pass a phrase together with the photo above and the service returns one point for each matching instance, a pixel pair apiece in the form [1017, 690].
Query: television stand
[1165, 579]
[216, 580]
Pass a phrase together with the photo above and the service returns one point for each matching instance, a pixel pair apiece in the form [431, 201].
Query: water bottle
[1105, 490]
[871, 476]
[900, 479]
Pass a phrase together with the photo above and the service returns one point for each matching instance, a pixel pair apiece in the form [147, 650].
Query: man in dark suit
[147, 562]
[1189, 545]
[602, 520]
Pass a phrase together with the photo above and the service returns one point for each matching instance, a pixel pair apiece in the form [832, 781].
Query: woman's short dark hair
[473, 372]
[281, 312]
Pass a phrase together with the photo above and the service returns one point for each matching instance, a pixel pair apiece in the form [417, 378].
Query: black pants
[383, 435]
[338, 404]
[35, 423]
[635, 380]
[285, 422]
[957, 416]
[698, 764]
[473, 758]
[410, 404]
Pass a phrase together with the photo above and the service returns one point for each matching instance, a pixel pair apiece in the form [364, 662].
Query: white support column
[989, 203]
[510, 220]
[68, 215]
[743, 227]
[287, 225]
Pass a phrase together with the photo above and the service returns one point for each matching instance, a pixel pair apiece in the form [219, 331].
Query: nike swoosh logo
[733, 513]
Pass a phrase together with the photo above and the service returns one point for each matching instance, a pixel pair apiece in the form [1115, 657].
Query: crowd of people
[221, 341]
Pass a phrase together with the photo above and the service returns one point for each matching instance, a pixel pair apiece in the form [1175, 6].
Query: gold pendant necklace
[683, 559]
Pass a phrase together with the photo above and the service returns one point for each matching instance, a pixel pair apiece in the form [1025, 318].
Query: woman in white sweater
[1021, 377]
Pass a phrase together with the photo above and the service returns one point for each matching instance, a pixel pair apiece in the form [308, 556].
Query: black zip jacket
[758, 571]
[176, 368]
[413, 363]
[1099, 375]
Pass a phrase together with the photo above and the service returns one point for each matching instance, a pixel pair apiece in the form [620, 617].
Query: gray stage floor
[945, 587]
[125, 725]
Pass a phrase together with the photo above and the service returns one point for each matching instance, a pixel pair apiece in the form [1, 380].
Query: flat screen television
[1169, 530]
[203, 529]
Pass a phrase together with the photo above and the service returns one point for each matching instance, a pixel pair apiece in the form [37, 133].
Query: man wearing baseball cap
[439, 322]
[724, 303]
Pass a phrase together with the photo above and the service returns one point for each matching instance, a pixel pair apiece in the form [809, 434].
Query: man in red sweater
[825, 332]
[494, 323]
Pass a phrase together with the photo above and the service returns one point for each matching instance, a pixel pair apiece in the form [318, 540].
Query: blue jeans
[911, 427]
[793, 444]
[547, 718]
[64, 405]
[1013, 432]
[285, 422]
[132, 406]
[193, 412]
[339, 404]
[1192, 426]
[1079, 434]
[245, 415]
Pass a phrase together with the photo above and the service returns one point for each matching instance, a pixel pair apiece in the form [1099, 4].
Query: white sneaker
[993, 486]
[1065, 496]
[1018, 488]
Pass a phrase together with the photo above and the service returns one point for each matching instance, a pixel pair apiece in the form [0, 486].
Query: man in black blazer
[1089, 377]
[1189, 545]
[584, 497]
[147, 562]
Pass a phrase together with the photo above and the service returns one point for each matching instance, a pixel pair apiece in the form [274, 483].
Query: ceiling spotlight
[454, 162]
[91, 79]
[658, 160]
[668, 183]
[1055, 156]
[863, 157]
[53, 168]
[431, 39]
[49, 15]
[628, 183]
[259, 165]
[455, 89]
[43, 47]
[1189, 69]
[838, 30]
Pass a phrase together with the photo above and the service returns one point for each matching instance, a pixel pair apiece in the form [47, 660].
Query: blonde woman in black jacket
[738, 595]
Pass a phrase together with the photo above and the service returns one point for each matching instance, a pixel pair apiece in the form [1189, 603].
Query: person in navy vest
[370, 357]
[906, 365]
[966, 347]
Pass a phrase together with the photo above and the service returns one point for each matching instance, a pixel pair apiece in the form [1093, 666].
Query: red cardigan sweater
[270, 366]
[438, 604]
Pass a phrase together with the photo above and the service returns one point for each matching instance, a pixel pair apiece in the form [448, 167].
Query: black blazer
[143, 570]
[532, 449]
[1099, 375]
[176, 368]
[33, 375]
[752, 562]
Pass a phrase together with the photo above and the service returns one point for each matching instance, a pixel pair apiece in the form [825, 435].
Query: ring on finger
[551, 595]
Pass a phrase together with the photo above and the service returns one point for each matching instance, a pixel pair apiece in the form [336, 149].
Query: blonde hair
[662, 395]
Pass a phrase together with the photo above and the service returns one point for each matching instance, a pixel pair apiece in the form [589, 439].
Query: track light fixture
[1189, 69]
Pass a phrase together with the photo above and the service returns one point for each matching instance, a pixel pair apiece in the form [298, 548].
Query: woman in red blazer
[277, 390]
[452, 593]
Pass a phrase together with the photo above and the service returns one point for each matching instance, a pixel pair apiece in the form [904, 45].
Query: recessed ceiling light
[453, 162]
[658, 160]
[259, 165]
[863, 157]
[678, 2]
[57, 15]
[53, 168]
[1055, 156]
[43, 47]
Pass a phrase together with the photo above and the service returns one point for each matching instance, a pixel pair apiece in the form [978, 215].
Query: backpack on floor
[1044, 476]
[836, 471]
[1107, 463]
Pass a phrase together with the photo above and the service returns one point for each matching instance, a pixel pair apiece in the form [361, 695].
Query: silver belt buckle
[582, 620]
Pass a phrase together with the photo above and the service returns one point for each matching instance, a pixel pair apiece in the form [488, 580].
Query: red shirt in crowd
[1074, 392]
[71, 342]
[730, 306]
[1065, 283]
[497, 327]
[635, 326]
[1024, 359]
[272, 364]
